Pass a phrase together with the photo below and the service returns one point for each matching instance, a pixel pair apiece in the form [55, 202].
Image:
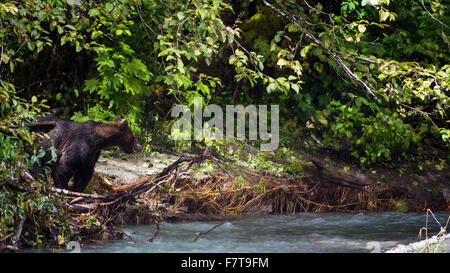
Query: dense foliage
[340, 69]
[369, 78]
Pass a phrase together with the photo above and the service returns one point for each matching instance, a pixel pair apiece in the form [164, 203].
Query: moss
[400, 206]
[296, 168]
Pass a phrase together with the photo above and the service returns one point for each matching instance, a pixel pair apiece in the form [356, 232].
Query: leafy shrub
[373, 135]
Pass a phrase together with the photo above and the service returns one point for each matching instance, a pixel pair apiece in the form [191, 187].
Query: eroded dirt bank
[148, 189]
[213, 190]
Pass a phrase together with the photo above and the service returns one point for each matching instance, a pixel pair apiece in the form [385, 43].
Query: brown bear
[78, 146]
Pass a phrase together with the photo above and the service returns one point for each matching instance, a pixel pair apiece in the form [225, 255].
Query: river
[299, 233]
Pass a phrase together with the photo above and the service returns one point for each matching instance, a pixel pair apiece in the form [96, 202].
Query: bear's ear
[117, 119]
[124, 124]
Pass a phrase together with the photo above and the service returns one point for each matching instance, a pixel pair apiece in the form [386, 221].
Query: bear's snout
[138, 148]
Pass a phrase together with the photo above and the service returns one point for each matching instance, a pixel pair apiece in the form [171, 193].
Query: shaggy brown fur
[78, 148]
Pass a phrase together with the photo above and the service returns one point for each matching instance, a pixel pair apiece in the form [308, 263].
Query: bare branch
[434, 18]
[208, 231]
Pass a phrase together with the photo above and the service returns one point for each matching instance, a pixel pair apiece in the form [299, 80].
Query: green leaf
[294, 28]
[165, 52]
[180, 15]
[93, 12]
[305, 50]
[271, 87]
[383, 15]
[78, 47]
[327, 42]
[30, 46]
[11, 67]
[109, 7]
[261, 66]
[59, 29]
[203, 13]
[70, 27]
[91, 85]
[362, 28]
[232, 59]
[209, 40]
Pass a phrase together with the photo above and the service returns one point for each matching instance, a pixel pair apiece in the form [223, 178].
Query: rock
[132, 168]
[434, 244]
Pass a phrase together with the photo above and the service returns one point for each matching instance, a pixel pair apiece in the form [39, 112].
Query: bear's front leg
[82, 178]
[63, 174]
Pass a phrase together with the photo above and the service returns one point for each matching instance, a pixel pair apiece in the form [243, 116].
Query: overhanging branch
[335, 57]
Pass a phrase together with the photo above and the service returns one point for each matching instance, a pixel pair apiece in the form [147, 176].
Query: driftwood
[145, 184]
[19, 232]
[15, 243]
[155, 235]
[79, 194]
[209, 230]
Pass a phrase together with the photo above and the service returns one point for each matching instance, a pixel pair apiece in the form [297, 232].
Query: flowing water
[303, 232]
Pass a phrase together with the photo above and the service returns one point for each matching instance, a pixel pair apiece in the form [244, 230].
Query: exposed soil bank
[235, 190]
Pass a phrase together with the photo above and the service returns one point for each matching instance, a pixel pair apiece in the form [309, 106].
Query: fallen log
[324, 175]
[131, 185]
[82, 208]
[79, 194]
[141, 186]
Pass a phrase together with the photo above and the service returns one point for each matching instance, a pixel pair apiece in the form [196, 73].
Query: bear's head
[128, 141]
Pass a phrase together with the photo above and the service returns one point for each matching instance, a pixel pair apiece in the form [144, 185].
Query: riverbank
[236, 190]
[262, 186]
[181, 187]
